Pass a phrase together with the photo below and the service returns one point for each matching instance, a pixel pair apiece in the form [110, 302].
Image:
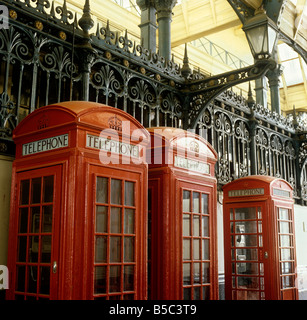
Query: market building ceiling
[213, 31]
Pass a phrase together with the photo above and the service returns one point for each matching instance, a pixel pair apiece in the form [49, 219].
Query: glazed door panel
[37, 247]
[116, 244]
[246, 253]
[198, 247]
[286, 252]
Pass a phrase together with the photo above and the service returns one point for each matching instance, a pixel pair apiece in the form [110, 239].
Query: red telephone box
[259, 239]
[78, 206]
[182, 216]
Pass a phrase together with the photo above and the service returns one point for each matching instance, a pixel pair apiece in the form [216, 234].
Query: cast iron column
[148, 24]
[85, 51]
[164, 18]
[273, 77]
[253, 123]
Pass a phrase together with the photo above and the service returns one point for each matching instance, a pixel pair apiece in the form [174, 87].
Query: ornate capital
[164, 8]
[145, 4]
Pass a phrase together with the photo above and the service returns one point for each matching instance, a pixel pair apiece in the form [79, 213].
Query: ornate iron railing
[47, 57]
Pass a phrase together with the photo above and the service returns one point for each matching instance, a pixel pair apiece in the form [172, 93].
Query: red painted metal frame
[270, 203]
[166, 182]
[77, 118]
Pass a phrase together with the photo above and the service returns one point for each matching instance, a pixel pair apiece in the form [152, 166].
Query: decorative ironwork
[46, 57]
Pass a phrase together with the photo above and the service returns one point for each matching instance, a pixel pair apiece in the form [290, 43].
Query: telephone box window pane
[205, 226]
[35, 215]
[129, 221]
[196, 202]
[129, 249]
[23, 220]
[248, 282]
[48, 189]
[32, 279]
[206, 292]
[33, 248]
[287, 282]
[128, 278]
[204, 201]
[115, 249]
[246, 241]
[245, 213]
[196, 248]
[116, 191]
[246, 227]
[284, 214]
[114, 279]
[129, 193]
[248, 295]
[102, 190]
[100, 281]
[101, 249]
[24, 191]
[285, 241]
[186, 205]
[205, 272]
[22, 249]
[196, 272]
[231, 214]
[205, 249]
[286, 267]
[284, 227]
[186, 294]
[47, 219]
[101, 219]
[36, 191]
[247, 254]
[186, 249]
[285, 254]
[186, 273]
[196, 293]
[116, 220]
[44, 280]
[186, 225]
[247, 268]
[21, 276]
[46, 249]
[196, 225]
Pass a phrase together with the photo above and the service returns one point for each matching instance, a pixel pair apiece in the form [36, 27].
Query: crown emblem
[43, 122]
[115, 123]
[194, 146]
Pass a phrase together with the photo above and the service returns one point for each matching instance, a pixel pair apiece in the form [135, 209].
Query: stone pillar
[148, 24]
[261, 91]
[164, 18]
[273, 77]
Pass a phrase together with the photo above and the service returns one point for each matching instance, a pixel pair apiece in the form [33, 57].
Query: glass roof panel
[292, 72]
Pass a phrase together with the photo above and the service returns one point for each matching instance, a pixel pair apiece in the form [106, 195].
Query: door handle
[54, 267]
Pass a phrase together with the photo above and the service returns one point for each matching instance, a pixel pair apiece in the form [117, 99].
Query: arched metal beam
[274, 9]
[242, 10]
[211, 87]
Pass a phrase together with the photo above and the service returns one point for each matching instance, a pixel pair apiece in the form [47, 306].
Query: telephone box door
[36, 224]
[119, 251]
[246, 252]
[198, 242]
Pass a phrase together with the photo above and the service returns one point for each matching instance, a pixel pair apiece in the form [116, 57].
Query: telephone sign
[259, 239]
[78, 206]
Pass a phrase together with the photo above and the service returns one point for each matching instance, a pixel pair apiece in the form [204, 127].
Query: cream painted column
[5, 194]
